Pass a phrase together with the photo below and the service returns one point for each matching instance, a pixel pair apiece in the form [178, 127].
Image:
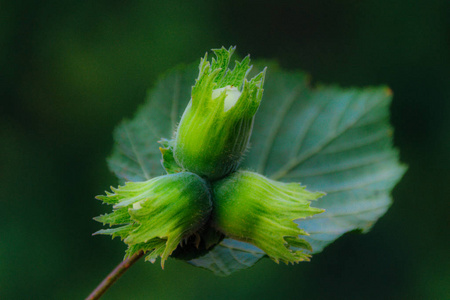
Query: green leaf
[330, 139]
[136, 156]
[228, 257]
[167, 159]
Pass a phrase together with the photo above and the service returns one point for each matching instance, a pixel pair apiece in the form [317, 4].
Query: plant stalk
[114, 275]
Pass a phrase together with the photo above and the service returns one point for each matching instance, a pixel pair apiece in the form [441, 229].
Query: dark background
[71, 70]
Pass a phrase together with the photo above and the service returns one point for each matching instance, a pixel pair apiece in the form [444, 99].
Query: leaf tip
[388, 91]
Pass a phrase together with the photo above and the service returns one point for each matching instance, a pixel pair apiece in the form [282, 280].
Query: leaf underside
[331, 139]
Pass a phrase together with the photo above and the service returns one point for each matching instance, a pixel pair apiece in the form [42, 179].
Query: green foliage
[135, 156]
[167, 160]
[331, 139]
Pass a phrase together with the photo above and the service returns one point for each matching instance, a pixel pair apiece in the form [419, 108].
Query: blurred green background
[71, 70]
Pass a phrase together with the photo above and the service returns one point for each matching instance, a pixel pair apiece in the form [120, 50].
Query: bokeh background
[72, 70]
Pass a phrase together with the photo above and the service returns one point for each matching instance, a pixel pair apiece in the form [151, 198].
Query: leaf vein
[293, 163]
[304, 133]
[343, 167]
[357, 144]
[175, 101]
[338, 215]
[136, 153]
[361, 185]
[240, 249]
[237, 259]
[219, 265]
[278, 120]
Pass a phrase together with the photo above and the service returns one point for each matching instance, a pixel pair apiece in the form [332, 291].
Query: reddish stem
[114, 275]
